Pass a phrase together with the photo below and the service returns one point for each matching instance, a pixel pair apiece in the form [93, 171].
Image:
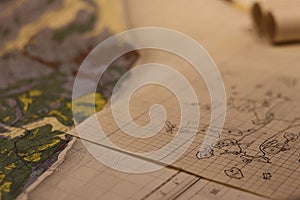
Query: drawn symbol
[290, 137]
[206, 153]
[267, 175]
[214, 191]
[234, 172]
[170, 127]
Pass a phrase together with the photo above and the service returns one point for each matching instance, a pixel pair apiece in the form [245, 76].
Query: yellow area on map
[35, 93]
[35, 157]
[49, 19]
[6, 119]
[34, 134]
[14, 132]
[5, 188]
[2, 176]
[110, 18]
[96, 102]
[26, 101]
[46, 146]
[4, 151]
[58, 114]
[61, 136]
[10, 166]
[22, 154]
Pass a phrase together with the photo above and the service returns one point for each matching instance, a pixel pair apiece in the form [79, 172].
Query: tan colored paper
[250, 71]
[81, 176]
[277, 20]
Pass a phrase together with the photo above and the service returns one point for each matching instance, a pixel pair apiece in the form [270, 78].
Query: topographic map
[42, 46]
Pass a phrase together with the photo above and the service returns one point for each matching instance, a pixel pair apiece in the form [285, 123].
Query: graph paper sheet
[82, 176]
[257, 151]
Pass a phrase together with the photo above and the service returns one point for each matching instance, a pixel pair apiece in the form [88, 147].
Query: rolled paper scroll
[283, 25]
[277, 20]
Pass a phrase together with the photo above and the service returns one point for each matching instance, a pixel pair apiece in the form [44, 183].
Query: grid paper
[258, 149]
[82, 176]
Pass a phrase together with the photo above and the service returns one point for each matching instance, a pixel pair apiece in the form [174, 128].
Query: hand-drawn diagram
[263, 114]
